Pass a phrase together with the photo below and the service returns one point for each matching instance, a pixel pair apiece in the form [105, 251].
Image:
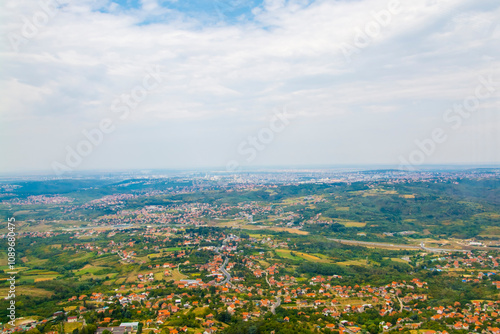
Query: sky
[146, 84]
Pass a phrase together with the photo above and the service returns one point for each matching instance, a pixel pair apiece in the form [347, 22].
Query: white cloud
[91, 52]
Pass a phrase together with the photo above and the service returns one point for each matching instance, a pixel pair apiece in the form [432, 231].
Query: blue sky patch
[213, 11]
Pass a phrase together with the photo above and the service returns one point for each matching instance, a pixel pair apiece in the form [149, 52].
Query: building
[114, 330]
[130, 326]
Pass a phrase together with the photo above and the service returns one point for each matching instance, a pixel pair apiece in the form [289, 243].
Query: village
[245, 278]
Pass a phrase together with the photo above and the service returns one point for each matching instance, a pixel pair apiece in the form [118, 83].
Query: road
[374, 244]
[392, 328]
[275, 305]
[441, 250]
[400, 246]
[267, 281]
[223, 269]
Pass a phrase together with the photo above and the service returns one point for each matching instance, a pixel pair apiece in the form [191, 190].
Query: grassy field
[176, 275]
[27, 291]
[277, 229]
[159, 275]
[361, 263]
[83, 257]
[232, 223]
[173, 249]
[200, 311]
[289, 230]
[118, 281]
[40, 272]
[108, 260]
[70, 327]
[22, 226]
[491, 232]
[88, 269]
[132, 277]
[350, 223]
[377, 192]
[396, 259]
[322, 256]
[33, 261]
[264, 264]
[18, 269]
[310, 257]
[286, 253]
[32, 276]
[255, 235]
[34, 279]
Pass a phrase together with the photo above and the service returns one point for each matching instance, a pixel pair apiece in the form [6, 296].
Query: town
[269, 257]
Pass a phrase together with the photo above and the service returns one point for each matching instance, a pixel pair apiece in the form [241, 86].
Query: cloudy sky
[195, 83]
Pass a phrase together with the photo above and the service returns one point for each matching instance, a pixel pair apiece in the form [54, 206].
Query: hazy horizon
[159, 84]
[257, 169]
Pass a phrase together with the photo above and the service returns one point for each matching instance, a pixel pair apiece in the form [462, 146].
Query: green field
[361, 263]
[88, 269]
[286, 253]
[27, 291]
[85, 256]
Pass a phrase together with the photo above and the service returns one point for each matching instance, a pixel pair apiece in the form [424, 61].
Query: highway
[375, 244]
[441, 250]
[399, 246]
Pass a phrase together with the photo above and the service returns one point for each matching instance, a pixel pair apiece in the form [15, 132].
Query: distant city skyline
[156, 84]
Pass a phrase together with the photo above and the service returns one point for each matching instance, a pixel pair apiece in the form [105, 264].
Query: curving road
[374, 244]
[223, 270]
[400, 246]
[275, 305]
[441, 250]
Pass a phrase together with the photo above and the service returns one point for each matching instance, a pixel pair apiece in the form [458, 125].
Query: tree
[139, 328]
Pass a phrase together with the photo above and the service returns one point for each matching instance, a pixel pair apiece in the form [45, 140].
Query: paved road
[375, 244]
[383, 244]
[392, 328]
[275, 305]
[441, 250]
[400, 304]
[267, 281]
[223, 269]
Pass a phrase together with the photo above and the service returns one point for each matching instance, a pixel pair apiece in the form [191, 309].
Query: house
[73, 319]
[130, 326]
[114, 330]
